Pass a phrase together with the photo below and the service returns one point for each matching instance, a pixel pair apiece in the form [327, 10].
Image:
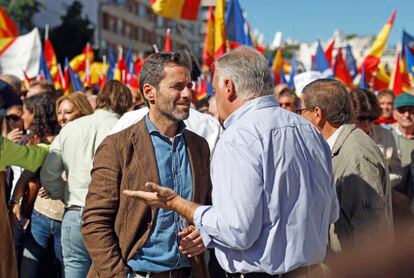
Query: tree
[71, 36]
[22, 11]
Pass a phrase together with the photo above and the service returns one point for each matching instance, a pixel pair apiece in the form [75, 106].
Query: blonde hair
[79, 101]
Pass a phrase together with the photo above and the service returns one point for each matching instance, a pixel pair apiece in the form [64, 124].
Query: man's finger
[153, 187]
[148, 196]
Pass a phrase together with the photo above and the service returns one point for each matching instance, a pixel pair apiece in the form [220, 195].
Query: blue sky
[309, 20]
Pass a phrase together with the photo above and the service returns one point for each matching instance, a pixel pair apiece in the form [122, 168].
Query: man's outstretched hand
[165, 198]
[159, 196]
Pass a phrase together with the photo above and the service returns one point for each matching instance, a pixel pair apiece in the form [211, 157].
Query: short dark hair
[289, 92]
[331, 97]
[152, 71]
[44, 116]
[364, 102]
[114, 96]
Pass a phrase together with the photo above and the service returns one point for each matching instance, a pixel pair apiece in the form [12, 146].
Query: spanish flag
[208, 51]
[50, 56]
[220, 37]
[277, 66]
[7, 26]
[178, 9]
[372, 60]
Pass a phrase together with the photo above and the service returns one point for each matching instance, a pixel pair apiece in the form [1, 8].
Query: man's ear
[149, 92]
[319, 117]
[230, 90]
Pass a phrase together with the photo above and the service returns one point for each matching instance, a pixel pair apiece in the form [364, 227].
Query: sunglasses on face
[404, 109]
[13, 117]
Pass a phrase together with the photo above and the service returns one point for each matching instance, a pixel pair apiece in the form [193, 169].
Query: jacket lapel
[195, 163]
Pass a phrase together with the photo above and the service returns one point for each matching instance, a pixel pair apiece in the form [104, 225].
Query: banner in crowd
[21, 54]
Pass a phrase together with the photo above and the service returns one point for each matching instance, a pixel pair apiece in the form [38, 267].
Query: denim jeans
[43, 235]
[76, 259]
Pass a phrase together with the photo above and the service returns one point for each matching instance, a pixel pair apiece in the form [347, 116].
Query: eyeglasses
[365, 119]
[13, 117]
[301, 110]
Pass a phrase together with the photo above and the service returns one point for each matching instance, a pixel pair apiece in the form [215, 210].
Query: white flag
[23, 54]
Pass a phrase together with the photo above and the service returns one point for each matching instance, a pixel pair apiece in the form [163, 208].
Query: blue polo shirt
[160, 252]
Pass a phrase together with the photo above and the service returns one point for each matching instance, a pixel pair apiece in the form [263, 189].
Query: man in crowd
[273, 198]
[288, 99]
[125, 236]
[41, 87]
[386, 101]
[360, 172]
[13, 81]
[72, 152]
[404, 137]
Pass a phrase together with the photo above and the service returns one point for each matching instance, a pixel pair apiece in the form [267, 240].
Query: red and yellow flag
[208, 51]
[220, 46]
[50, 56]
[328, 51]
[178, 9]
[372, 61]
[277, 65]
[7, 26]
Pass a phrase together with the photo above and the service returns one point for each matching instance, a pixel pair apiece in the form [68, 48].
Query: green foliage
[22, 11]
[71, 36]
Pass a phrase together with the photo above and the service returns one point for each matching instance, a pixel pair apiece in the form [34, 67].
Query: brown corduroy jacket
[114, 226]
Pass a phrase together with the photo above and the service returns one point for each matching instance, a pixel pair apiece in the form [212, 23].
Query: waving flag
[341, 71]
[72, 81]
[410, 63]
[208, 51]
[236, 26]
[292, 74]
[20, 54]
[396, 84]
[363, 84]
[44, 73]
[220, 37]
[350, 61]
[321, 63]
[277, 66]
[407, 40]
[329, 50]
[373, 59]
[79, 63]
[178, 9]
[7, 26]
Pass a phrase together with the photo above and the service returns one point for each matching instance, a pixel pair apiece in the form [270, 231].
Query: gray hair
[248, 70]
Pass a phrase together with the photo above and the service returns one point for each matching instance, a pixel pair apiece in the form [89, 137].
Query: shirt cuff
[198, 219]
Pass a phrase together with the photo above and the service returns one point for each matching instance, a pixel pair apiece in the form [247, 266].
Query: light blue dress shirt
[160, 252]
[273, 192]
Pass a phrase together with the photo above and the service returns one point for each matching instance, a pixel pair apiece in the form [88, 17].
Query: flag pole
[46, 31]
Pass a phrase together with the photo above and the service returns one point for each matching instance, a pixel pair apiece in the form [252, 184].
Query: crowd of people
[264, 183]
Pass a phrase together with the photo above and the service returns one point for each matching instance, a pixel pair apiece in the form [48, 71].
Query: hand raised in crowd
[191, 242]
[15, 135]
[159, 196]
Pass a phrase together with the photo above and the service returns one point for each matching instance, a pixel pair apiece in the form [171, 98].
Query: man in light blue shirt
[273, 193]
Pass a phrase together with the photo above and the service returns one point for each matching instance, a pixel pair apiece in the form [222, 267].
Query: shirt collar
[152, 129]
[398, 131]
[256, 103]
[332, 139]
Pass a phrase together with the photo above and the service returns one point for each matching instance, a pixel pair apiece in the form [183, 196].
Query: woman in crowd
[39, 117]
[366, 110]
[30, 158]
[71, 107]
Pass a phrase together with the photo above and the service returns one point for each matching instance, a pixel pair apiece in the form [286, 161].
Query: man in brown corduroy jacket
[124, 236]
